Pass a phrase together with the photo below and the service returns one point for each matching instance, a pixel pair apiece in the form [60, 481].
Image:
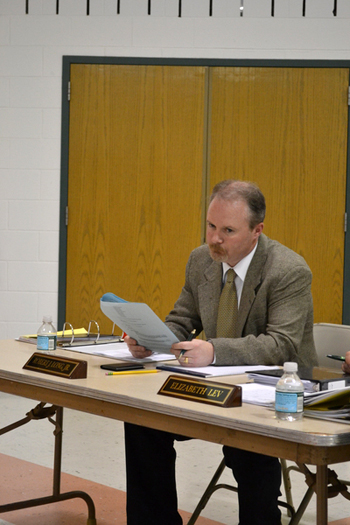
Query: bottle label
[46, 342]
[292, 402]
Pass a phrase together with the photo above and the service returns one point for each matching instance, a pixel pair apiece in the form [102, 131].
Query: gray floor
[93, 449]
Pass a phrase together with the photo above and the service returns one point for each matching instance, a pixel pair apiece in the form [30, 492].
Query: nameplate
[57, 366]
[209, 392]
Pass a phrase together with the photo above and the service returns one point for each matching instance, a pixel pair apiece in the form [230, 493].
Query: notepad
[314, 379]
[213, 371]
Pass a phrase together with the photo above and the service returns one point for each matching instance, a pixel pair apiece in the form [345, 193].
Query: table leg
[58, 452]
[39, 413]
[322, 494]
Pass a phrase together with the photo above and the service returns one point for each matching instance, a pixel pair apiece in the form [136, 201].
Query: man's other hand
[194, 353]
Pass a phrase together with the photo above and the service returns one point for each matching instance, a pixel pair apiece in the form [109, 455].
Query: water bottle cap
[290, 367]
[47, 319]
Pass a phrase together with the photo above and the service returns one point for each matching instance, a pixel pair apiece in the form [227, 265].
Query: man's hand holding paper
[139, 352]
[140, 323]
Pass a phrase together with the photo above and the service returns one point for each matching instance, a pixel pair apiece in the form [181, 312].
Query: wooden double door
[148, 142]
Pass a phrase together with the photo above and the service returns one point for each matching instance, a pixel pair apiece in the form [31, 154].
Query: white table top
[141, 392]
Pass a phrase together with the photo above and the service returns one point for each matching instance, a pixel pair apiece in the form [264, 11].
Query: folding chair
[214, 486]
[329, 338]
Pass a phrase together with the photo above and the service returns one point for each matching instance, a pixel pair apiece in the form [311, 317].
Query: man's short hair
[233, 190]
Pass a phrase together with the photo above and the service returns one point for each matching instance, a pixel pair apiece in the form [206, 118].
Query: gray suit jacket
[275, 318]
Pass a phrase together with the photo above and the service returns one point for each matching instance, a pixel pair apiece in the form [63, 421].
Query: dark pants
[151, 486]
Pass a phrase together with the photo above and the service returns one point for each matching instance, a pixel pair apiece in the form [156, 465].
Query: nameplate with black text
[209, 392]
[57, 366]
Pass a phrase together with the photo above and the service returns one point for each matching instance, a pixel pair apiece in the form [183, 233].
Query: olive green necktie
[228, 307]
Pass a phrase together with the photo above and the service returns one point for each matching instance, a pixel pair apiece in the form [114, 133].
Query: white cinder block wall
[31, 48]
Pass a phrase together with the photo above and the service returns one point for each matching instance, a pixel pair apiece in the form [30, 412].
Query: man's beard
[218, 253]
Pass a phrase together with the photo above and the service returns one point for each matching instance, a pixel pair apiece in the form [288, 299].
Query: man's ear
[258, 229]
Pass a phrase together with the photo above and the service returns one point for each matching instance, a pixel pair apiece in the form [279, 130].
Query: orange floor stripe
[21, 480]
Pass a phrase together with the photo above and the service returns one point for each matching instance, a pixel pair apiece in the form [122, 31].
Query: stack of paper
[333, 405]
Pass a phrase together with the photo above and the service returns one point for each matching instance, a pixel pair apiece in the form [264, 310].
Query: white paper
[140, 322]
[257, 394]
[118, 351]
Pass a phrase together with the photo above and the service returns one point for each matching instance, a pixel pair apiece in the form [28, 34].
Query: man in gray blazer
[274, 324]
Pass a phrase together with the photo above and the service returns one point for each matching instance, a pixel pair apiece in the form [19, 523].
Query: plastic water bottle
[47, 335]
[289, 401]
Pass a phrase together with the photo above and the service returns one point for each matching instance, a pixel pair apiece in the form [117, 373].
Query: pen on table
[153, 371]
[189, 338]
[337, 357]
